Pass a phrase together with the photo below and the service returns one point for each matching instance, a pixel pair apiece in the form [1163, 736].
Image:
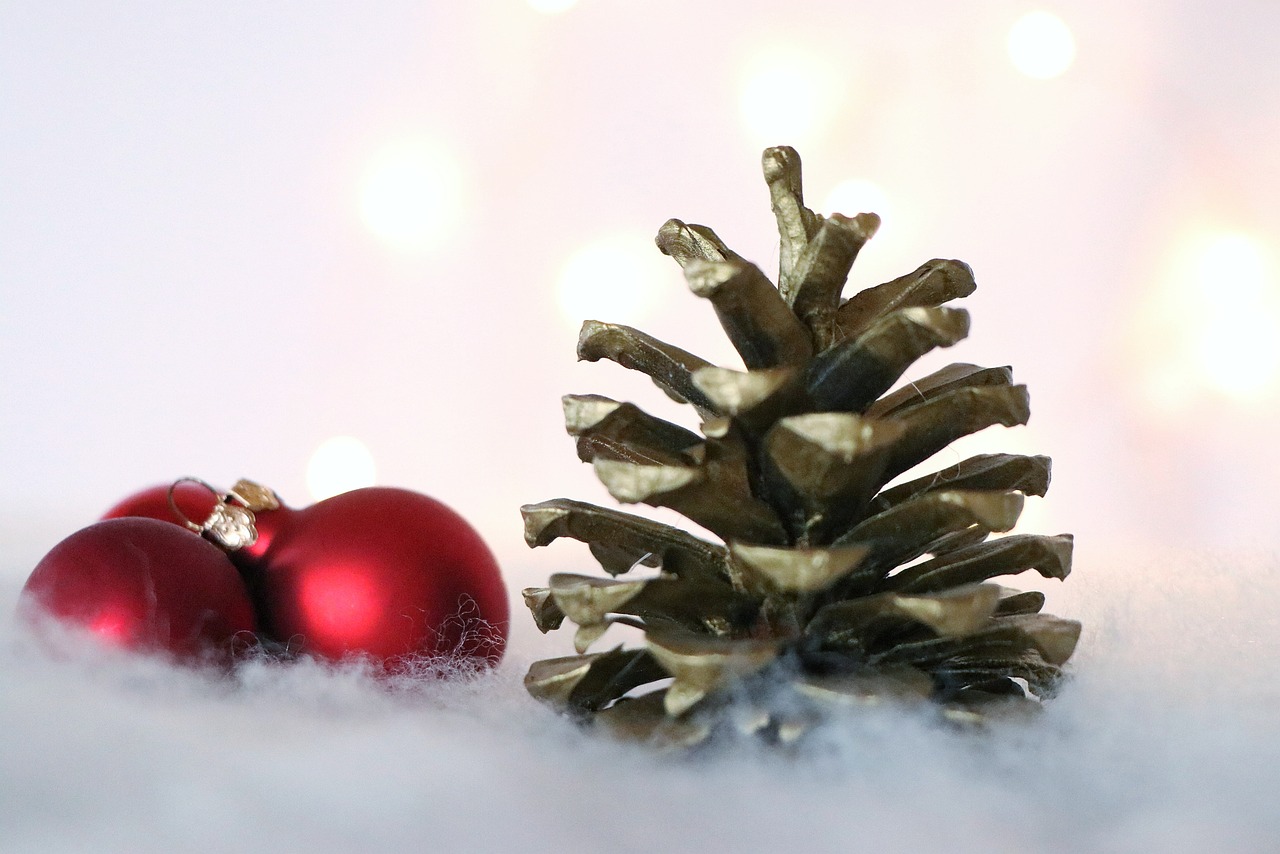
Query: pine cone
[828, 588]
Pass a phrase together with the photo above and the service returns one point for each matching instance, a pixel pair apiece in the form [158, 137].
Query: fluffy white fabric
[1167, 739]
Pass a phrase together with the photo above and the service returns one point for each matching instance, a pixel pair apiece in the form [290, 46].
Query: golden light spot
[338, 465]
[551, 7]
[410, 196]
[1213, 325]
[855, 196]
[612, 279]
[1237, 346]
[1041, 45]
[785, 97]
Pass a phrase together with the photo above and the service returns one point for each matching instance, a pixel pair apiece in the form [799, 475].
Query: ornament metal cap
[229, 526]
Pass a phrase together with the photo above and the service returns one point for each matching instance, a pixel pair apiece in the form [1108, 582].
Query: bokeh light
[551, 7]
[786, 96]
[1214, 324]
[858, 195]
[1041, 45]
[339, 465]
[410, 196]
[1237, 350]
[614, 278]
[896, 239]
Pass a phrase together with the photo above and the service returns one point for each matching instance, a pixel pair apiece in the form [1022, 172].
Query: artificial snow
[1167, 738]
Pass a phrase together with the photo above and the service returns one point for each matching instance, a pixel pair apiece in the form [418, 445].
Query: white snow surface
[1166, 739]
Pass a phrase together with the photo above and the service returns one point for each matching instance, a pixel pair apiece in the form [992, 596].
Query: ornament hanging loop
[229, 526]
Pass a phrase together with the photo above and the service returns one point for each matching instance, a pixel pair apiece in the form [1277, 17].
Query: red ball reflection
[340, 605]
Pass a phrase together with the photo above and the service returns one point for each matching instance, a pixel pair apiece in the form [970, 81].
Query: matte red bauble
[144, 584]
[386, 573]
[196, 501]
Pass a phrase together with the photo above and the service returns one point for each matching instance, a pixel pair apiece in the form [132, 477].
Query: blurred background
[322, 244]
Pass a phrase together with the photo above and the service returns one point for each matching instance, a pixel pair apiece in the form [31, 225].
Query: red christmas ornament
[146, 585]
[383, 572]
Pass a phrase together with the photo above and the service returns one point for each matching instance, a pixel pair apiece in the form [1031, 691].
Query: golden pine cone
[828, 584]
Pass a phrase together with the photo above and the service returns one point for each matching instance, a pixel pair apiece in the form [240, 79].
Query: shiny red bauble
[143, 584]
[384, 573]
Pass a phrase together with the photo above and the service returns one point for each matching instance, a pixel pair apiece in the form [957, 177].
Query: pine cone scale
[758, 323]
